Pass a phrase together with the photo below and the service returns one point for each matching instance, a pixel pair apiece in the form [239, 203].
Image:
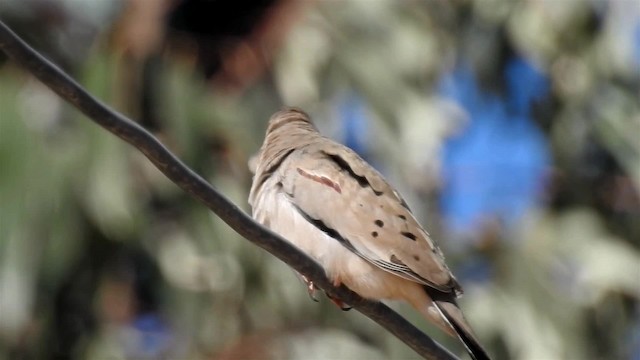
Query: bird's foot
[339, 303]
[311, 288]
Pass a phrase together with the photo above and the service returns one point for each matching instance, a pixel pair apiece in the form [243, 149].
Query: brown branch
[197, 187]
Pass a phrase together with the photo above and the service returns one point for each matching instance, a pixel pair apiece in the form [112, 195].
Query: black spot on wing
[344, 165]
[379, 223]
[408, 235]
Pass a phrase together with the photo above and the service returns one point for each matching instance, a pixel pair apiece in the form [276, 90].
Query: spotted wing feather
[329, 183]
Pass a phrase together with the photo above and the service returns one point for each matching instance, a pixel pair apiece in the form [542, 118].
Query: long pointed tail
[454, 318]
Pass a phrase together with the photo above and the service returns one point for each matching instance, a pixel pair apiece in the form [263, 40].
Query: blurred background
[512, 128]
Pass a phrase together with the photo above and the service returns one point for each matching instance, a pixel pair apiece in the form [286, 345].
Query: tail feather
[453, 316]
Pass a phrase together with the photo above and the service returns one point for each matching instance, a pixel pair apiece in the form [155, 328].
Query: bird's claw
[339, 303]
[311, 288]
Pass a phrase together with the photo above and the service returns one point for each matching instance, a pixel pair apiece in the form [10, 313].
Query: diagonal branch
[197, 187]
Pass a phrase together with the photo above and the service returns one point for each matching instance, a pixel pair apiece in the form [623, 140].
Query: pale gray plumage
[326, 200]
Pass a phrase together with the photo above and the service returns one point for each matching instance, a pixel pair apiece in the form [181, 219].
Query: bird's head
[287, 129]
[289, 118]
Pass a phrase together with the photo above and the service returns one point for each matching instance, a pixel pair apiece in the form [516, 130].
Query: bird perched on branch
[326, 200]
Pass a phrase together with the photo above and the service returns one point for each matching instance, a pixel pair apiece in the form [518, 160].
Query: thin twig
[197, 187]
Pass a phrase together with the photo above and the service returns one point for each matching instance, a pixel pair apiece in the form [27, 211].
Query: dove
[327, 201]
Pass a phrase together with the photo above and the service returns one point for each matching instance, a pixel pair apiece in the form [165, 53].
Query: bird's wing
[343, 196]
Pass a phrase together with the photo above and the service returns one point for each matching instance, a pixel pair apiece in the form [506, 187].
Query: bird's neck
[285, 138]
